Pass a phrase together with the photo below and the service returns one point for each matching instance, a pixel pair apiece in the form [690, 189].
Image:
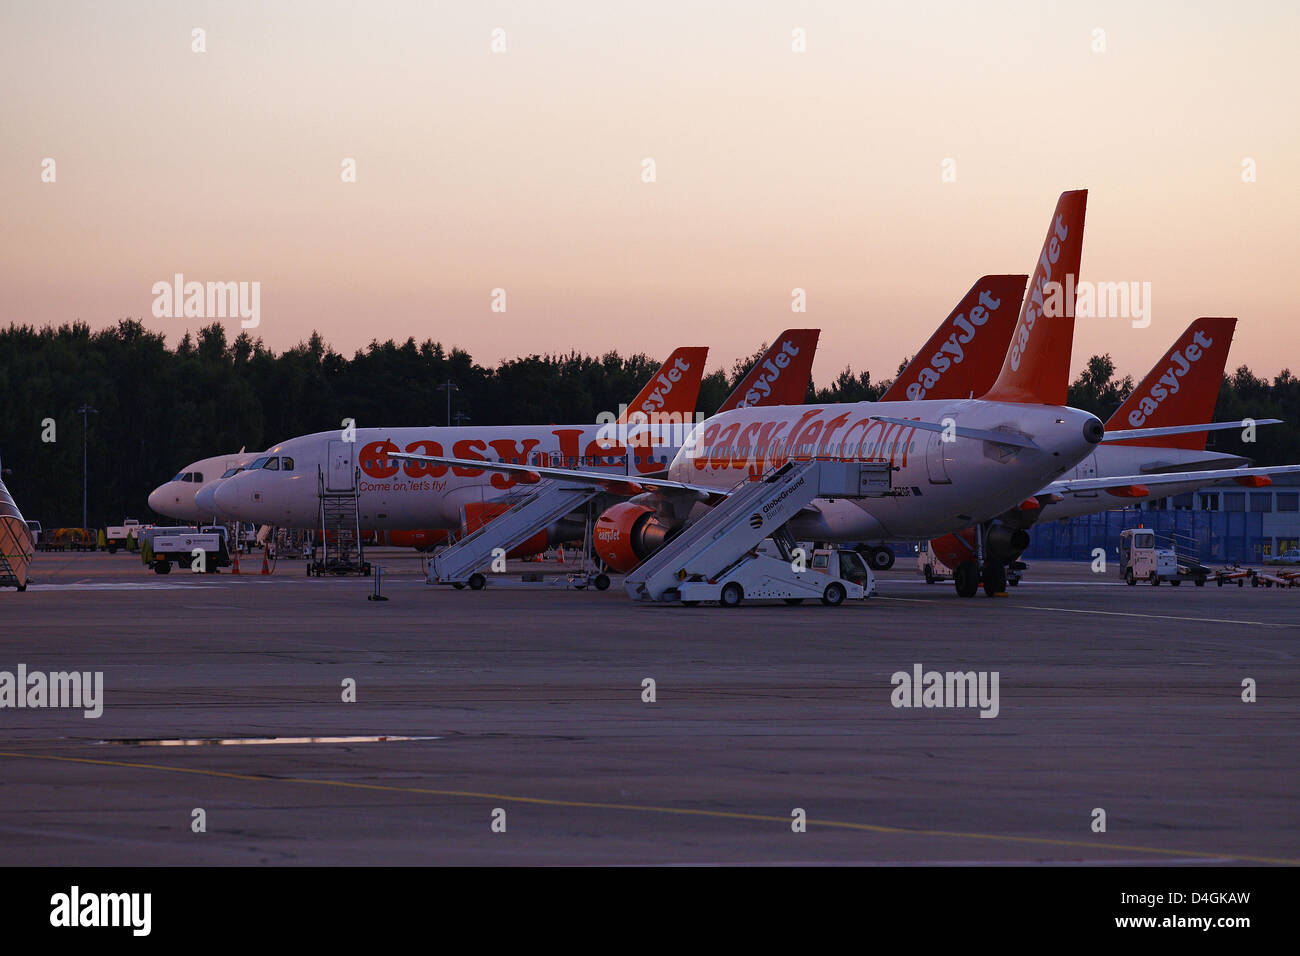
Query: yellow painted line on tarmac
[678, 811]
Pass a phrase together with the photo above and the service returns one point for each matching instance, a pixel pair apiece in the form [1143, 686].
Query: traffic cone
[561, 556]
[235, 567]
[266, 568]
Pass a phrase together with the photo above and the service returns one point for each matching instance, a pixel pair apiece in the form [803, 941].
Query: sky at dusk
[523, 170]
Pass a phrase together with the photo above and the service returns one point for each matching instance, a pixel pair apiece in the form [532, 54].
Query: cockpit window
[230, 472]
[198, 477]
[287, 463]
[272, 464]
[258, 463]
[179, 477]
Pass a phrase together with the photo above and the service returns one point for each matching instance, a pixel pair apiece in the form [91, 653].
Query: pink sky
[522, 170]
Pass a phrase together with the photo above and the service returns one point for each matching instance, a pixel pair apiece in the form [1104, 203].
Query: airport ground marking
[650, 808]
[1156, 617]
[1080, 610]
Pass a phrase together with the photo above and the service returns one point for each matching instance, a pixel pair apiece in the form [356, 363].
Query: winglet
[1182, 389]
[1036, 369]
[965, 353]
[780, 376]
[674, 389]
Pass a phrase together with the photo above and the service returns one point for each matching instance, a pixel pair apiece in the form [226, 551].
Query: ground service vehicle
[182, 547]
[1140, 559]
[117, 535]
[833, 576]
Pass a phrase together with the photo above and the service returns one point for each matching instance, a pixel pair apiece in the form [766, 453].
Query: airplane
[177, 498]
[1170, 404]
[396, 495]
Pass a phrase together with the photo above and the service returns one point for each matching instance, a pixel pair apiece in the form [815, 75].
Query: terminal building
[1227, 523]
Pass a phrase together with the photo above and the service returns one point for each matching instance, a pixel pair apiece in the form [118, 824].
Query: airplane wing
[1130, 433]
[1151, 482]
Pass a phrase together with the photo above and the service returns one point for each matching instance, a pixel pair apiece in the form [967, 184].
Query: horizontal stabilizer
[1128, 433]
[980, 434]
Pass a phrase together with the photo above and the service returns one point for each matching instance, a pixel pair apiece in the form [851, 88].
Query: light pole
[85, 410]
[449, 386]
[461, 418]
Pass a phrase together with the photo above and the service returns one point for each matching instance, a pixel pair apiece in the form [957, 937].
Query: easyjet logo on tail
[951, 351]
[769, 372]
[780, 376]
[663, 384]
[1182, 388]
[1036, 367]
[675, 387]
[1042, 276]
[1180, 363]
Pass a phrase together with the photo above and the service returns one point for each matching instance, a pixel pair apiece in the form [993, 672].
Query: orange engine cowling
[1001, 542]
[955, 549]
[626, 533]
[478, 513]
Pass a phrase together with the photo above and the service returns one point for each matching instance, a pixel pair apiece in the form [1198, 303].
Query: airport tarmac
[528, 699]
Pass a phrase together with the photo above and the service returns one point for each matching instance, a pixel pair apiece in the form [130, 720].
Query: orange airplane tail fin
[780, 376]
[965, 354]
[1036, 369]
[1182, 389]
[674, 389]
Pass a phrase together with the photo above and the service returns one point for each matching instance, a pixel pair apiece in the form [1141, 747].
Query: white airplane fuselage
[415, 495]
[939, 485]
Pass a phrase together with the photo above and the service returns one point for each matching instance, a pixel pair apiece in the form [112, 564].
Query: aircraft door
[938, 454]
[339, 470]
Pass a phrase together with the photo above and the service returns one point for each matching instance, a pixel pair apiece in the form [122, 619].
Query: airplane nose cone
[165, 500]
[225, 498]
[206, 500]
[1093, 431]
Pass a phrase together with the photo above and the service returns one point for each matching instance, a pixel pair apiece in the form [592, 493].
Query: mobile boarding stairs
[720, 548]
[464, 562]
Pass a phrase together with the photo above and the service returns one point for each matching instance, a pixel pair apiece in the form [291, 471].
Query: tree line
[159, 408]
